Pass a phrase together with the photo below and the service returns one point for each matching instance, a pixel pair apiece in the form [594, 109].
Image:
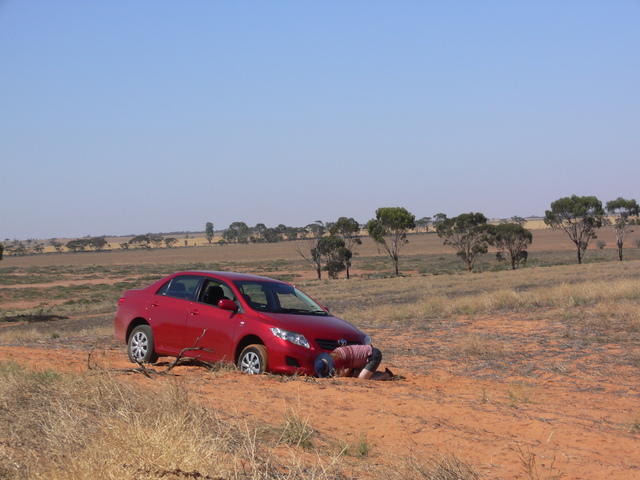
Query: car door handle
[194, 312]
[155, 304]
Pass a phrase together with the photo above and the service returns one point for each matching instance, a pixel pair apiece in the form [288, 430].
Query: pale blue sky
[121, 117]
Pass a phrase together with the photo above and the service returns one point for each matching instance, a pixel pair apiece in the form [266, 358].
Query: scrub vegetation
[98, 424]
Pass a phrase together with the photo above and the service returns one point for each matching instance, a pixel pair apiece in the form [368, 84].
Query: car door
[168, 312]
[209, 326]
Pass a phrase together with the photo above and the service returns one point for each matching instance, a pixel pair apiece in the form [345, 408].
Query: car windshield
[278, 298]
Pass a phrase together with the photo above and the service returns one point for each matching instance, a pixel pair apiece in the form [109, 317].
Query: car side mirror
[226, 304]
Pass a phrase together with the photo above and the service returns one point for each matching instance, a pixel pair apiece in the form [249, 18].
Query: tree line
[471, 235]
[329, 247]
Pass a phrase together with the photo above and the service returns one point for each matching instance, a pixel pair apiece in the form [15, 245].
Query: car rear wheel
[140, 345]
[253, 359]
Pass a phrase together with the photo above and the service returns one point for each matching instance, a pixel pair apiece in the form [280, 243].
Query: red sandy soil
[571, 402]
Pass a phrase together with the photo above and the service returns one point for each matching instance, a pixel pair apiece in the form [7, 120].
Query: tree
[347, 229]
[312, 254]
[625, 213]
[229, 235]
[147, 241]
[438, 218]
[469, 234]
[332, 251]
[390, 228]
[208, 232]
[56, 245]
[512, 239]
[1, 250]
[139, 241]
[77, 245]
[423, 223]
[238, 231]
[156, 239]
[519, 220]
[579, 217]
[316, 229]
[98, 243]
[292, 233]
[316, 247]
[272, 235]
[261, 233]
[170, 242]
[258, 233]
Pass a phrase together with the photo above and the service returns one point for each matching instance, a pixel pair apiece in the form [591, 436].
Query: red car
[258, 323]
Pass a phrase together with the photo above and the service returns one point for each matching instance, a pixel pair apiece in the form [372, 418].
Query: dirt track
[571, 403]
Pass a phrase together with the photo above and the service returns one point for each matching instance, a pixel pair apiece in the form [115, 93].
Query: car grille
[331, 344]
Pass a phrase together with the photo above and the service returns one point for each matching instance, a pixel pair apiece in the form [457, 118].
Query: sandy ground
[540, 390]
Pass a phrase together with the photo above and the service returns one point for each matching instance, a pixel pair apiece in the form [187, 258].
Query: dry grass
[439, 467]
[36, 328]
[296, 430]
[611, 292]
[64, 426]
[481, 345]
[56, 425]
[61, 426]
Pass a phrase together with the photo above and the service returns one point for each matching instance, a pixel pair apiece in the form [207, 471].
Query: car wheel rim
[139, 346]
[251, 363]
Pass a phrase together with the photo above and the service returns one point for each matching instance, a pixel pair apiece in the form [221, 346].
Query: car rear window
[180, 287]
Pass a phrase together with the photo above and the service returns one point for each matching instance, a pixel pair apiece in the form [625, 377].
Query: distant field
[423, 254]
[199, 239]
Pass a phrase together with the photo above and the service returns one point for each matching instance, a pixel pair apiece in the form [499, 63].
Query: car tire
[140, 346]
[253, 360]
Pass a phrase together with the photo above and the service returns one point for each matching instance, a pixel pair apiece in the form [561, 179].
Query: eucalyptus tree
[469, 234]
[578, 217]
[512, 239]
[58, 246]
[438, 218]
[423, 223]
[208, 231]
[170, 242]
[389, 229]
[237, 232]
[97, 243]
[348, 230]
[316, 229]
[308, 247]
[331, 251]
[625, 214]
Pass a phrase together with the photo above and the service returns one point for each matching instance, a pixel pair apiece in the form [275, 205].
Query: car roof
[232, 276]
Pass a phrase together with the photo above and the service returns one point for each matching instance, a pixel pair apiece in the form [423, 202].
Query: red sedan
[258, 323]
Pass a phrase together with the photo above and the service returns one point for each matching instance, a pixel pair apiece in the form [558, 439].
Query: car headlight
[367, 340]
[295, 338]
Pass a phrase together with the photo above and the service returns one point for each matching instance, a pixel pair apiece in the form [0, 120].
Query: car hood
[311, 324]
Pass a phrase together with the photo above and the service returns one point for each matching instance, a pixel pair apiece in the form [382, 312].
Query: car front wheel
[253, 359]
[140, 345]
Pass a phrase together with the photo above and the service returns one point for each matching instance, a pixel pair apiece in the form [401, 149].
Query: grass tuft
[296, 431]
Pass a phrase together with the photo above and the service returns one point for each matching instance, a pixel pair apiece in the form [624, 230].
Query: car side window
[180, 287]
[213, 291]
